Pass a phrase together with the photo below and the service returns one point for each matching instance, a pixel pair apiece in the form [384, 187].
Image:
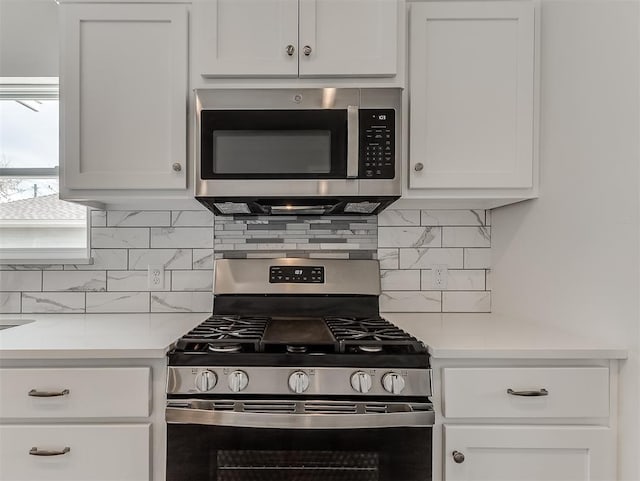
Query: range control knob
[206, 380]
[393, 383]
[238, 381]
[361, 382]
[299, 382]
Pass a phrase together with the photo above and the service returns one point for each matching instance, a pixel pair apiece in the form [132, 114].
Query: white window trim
[44, 88]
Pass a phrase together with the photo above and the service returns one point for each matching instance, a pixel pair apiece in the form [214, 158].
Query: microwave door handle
[353, 136]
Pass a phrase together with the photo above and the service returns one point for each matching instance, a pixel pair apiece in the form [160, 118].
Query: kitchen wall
[571, 258]
[125, 243]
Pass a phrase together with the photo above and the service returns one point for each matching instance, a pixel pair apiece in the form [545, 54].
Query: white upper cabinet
[353, 38]
[123, 96]
[246, 38]
[291, 38]
[472, 96]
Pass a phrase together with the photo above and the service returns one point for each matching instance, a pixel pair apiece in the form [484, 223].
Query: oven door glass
[222, 453]
[267, 144]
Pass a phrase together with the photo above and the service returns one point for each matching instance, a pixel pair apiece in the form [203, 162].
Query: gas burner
[297, 349]
[370, 349]
[225, 347]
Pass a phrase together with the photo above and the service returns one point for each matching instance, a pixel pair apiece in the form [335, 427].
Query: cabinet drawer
[96, 452]
[75, 392]
[482, 392]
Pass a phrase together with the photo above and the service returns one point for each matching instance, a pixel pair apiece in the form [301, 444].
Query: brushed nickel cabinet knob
[307, 50]
[458, 457]
[418, 167]
[290, 50]
[177, 167]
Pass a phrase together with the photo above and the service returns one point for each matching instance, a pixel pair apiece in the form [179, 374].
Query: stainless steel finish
[299, 414]
[307, 50]
[46, 452]
[238, 381]
[532, 393]
[206, 380]
[418, 166]
[36, 393]
[273, 380]
[458, 457]
[251, 276]
[361, 382]
[353, 137]
[177, 167]
[290, 50]
[393, 383]
[299, 382]
[298, 99]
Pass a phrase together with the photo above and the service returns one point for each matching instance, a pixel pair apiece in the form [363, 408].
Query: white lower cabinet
[528, 453]
[71, 423]
[94, 452]
[527, 420]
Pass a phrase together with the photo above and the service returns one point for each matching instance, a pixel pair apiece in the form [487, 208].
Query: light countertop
[86, 336]
[465, 336]
[462, 336]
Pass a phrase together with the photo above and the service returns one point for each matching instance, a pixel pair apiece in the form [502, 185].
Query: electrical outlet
[155, 277]
[439, 276]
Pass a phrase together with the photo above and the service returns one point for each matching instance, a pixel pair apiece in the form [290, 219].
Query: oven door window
[265, 144]
[215, 453]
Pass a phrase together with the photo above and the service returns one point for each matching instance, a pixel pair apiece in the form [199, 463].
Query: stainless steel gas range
[297, 377]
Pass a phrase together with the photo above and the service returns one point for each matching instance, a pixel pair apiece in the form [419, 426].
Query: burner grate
[371, 335]
[220, 331]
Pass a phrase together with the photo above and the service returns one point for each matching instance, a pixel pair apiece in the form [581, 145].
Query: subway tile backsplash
[408, 243]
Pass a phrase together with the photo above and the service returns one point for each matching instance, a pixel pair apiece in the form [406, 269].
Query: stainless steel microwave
[298, 151]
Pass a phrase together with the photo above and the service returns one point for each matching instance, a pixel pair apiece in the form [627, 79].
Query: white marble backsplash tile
[53, 302]
[412, 242]
[10, 302]
[181, 302]
[78, 281]
[141, 259]
[123, 246]
[121, 302]
[407, 242]
[14, 281]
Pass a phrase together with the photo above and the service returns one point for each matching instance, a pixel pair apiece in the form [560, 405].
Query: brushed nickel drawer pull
[36, 452]
[539, 392]
[36, 393]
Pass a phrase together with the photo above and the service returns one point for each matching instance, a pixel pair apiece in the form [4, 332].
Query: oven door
[298, 441]
[275, 144]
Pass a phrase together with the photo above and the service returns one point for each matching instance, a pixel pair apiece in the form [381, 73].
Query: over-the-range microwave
[298, 151]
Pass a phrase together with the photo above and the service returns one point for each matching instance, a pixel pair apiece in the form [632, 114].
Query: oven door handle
[239, 419]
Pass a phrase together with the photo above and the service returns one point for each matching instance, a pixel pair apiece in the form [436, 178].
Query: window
[35, 226]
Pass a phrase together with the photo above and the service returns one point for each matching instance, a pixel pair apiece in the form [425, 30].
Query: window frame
[40, 88]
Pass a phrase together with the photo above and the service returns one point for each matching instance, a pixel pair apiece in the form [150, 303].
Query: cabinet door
[348, 38]
[96, 452]
[123, 96]
[245, 38]
[471, 95]
[529, 453]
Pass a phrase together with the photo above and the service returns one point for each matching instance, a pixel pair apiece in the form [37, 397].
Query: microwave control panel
[377, 144]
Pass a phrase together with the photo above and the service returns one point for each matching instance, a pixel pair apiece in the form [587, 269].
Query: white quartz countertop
[465, 336]
[93, 336]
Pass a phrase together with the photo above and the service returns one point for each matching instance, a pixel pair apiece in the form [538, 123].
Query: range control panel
[377, 144]
[296, 274]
